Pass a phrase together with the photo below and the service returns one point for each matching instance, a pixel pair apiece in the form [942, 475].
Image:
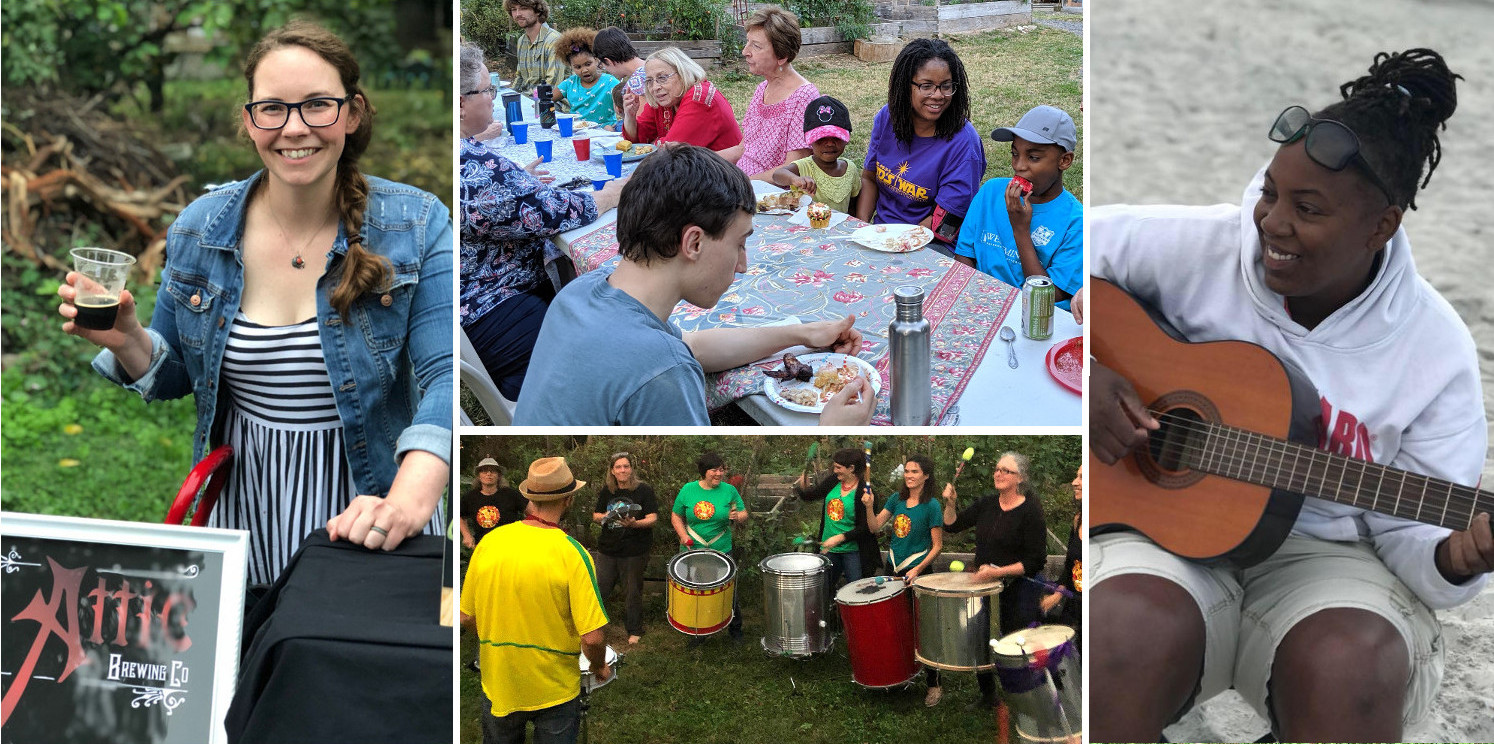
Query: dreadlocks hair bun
[1397, 111]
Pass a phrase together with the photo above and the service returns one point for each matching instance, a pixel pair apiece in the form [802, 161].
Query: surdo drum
[588, 683]
[957, 618]
[1038, 669]
[877, 613]
[701, 585]
[795, 595]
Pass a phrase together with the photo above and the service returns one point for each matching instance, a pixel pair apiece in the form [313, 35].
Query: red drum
[878, 616]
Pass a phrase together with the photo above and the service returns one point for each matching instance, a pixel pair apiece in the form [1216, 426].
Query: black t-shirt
[1006, 537]
[486, 513]
[626, 542]
[1073, 580]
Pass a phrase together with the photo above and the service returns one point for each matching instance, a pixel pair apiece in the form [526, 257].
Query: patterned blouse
[770, 131]
[507, 218]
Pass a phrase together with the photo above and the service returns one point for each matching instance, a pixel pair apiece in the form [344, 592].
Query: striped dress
[289, 475]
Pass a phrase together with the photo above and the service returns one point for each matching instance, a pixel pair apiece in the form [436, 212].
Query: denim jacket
[389, 361]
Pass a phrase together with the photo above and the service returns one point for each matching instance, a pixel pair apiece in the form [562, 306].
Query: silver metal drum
[957, 619]
[795, 604]
[1038, 669]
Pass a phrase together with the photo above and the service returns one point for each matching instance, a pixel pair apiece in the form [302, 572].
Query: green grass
[1009, 72]
[724, 693]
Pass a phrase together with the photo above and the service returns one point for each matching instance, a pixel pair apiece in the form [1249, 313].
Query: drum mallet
[964, 458]
[866, 446]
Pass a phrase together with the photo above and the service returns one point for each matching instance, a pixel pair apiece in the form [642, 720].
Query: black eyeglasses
[947, 87]
[315, 112]
[1329, 143]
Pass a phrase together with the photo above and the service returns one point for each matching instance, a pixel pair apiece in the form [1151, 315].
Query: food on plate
[793, 369]
[819, 215]
[643, 149]
[584, 124]
[801, 396]
[908, 241]
[1024, 184]
[624, 145]
[780, 200]
[881, 228]
[830, 379]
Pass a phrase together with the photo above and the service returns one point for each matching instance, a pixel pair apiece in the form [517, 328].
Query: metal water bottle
[908, 339]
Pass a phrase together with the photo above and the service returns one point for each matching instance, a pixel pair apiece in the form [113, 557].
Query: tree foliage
[88, 47]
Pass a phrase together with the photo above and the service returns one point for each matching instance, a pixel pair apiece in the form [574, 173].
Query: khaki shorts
[1248, 613]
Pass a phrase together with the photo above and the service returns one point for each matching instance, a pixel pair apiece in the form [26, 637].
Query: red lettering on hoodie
[1342, 433]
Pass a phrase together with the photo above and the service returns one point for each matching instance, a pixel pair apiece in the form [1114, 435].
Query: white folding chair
[475, 378]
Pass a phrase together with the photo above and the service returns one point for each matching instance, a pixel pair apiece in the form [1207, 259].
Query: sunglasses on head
[1329, 143]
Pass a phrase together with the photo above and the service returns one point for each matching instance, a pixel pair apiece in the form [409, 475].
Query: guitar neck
[1246, 456]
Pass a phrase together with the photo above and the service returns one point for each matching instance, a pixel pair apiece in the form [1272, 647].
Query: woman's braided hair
[362, 270]
[1396, 110]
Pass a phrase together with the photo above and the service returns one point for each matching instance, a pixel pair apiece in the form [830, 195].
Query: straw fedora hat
[549, 479]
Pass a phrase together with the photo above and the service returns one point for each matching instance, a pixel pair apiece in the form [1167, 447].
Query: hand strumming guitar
[1467, 553]
[1118, 421]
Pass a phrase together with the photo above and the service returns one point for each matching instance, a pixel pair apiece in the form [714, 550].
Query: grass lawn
[725, 693]
[1009, 71]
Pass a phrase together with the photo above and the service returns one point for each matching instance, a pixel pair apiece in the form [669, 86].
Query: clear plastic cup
[103, 273]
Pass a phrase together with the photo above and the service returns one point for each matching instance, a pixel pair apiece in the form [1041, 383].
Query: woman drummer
[320, 299]
[1010, 544]
[917, 537]
[703, 514]
[845, 534]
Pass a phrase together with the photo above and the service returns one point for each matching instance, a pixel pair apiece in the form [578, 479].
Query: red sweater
[703, 117]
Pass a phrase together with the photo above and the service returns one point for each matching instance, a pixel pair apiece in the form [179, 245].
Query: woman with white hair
[682, 106]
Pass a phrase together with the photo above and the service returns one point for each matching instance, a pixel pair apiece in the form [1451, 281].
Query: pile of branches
[68, 166]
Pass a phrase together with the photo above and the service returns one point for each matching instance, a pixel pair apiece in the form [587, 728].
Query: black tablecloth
[347, 647]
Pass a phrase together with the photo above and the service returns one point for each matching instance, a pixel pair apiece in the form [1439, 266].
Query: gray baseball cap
[487, 462]
[1043, 124]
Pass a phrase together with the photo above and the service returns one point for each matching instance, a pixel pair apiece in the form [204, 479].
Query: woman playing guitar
[1331, 637]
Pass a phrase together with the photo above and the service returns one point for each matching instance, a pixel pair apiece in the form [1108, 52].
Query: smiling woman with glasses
[925, 160]
[1011, 542]
[679, 105]
[1331, 636]
[320, 299]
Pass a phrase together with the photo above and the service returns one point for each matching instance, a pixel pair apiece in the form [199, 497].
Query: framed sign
[118, 632]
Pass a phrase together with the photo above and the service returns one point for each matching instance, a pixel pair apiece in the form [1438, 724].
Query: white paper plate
[601, 145]
[889, 239]
[774, 388]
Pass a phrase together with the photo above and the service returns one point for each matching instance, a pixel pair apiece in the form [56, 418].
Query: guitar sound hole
[1171, 446]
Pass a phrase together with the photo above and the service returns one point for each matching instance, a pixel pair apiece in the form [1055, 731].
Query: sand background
[1180, 98]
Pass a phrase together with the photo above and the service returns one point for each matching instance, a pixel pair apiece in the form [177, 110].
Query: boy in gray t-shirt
[607, 354]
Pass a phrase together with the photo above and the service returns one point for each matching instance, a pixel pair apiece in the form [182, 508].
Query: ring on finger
[379, 530]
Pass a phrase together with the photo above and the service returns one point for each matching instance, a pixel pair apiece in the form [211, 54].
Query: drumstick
[964, 458]
[866, 444]
[814, 448]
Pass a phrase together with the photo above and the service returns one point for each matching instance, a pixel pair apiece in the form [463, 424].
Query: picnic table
[563, 165]
[800, 274]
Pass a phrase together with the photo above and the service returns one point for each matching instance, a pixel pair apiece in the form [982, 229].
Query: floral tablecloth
[563, 165]
[807, 273]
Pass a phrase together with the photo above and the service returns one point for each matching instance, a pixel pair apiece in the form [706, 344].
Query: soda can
[1038, 298]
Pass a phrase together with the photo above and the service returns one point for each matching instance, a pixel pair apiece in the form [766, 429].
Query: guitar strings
[1232, 444]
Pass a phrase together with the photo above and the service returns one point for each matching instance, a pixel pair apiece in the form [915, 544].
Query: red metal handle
[213, 471]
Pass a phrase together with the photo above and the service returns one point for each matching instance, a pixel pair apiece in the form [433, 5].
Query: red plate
[1066, 363]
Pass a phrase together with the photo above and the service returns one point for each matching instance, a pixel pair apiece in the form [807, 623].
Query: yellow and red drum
[957, 618]
[877, 613]
[701, 586]
[1038, 669]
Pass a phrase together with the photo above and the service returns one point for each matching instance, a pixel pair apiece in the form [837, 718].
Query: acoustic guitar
[1226, 474]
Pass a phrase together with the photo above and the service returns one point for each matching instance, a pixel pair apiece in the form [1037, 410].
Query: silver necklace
[297, 262]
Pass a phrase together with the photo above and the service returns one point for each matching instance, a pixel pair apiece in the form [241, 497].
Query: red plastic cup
[583, 148]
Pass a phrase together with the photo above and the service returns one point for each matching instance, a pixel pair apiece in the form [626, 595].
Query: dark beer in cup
[96, 312]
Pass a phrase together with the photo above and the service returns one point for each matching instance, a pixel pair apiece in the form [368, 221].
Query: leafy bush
[852, 18]
[485, 24]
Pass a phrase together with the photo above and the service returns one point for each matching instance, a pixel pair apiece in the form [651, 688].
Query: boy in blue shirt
[1029, 225]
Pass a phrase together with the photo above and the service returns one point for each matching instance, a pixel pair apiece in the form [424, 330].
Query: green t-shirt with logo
[707, 513]
[840, 517]
[911, 527]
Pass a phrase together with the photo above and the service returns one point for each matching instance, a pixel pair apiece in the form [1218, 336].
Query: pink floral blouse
[770, 131]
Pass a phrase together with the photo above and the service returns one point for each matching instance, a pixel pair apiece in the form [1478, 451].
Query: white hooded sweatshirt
[1396, 369]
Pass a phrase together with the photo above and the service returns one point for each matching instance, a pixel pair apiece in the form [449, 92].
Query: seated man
[607, 353]
[1015, 230]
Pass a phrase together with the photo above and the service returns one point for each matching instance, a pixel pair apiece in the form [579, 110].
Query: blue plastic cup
[520, 131]
[567, 124]
[614, 163]
[600, 182]
[544, 148]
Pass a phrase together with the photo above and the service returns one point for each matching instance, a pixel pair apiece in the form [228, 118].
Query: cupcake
[819, 215]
